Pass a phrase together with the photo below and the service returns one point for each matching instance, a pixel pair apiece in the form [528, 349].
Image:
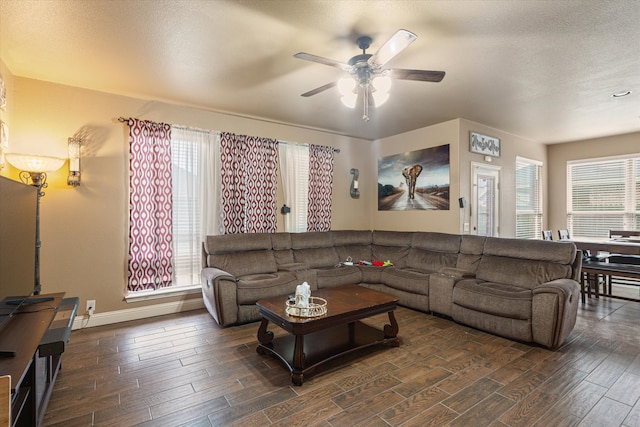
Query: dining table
[596, 264]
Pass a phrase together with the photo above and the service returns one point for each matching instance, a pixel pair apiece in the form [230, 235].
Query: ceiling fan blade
[321, 60]
[400, 40]
[418, 75]
[319, 89]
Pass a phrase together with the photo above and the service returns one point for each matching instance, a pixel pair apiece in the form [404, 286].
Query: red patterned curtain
[150, 202]
[320, 188]
[249, 183]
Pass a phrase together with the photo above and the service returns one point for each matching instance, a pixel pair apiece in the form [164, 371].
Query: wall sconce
[355, 193]
[74, 146]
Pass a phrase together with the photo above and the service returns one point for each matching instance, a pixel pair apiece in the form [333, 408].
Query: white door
[485, 204]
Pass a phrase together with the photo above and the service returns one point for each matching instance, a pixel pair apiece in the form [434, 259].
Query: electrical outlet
[466, 227]
[91, 306]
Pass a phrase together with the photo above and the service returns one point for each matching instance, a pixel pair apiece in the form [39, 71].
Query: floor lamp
[33, 171]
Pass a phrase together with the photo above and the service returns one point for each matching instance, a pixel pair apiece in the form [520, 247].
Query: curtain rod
[335, 150]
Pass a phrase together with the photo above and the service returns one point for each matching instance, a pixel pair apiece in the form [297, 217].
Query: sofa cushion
[391, 245]
[432, 251]
[240, 254]
[317, 257]
[338, 276]
[281, 243]
[525, 265]
[244, 263]
[353, 244]
[406, 279]
[520, 272]
[497, 299]
[471, 248]
[314, 249]
[254, 287]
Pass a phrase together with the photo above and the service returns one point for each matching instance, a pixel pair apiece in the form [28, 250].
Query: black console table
[38, 334]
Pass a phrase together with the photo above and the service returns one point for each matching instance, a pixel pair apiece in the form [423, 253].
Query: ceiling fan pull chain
[365, 116]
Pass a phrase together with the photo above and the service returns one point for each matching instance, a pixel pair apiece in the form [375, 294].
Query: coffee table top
[343, 304]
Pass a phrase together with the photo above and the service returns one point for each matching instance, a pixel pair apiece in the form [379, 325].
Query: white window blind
[294, 171]
[603, 195]
[194, 157]
[528, 199]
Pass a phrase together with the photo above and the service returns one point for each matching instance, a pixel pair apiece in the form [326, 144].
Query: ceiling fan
[367, 71]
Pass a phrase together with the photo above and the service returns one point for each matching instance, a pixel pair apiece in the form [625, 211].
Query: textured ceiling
[543, 70]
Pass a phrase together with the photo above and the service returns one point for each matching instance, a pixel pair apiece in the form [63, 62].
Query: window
[294, 171]
[603, 195]
[195, 210]
[528, 199]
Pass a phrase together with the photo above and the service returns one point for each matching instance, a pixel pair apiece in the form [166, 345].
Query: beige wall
[445, 221]
[84, 230]
[560, 154]
[511, 146]
[456, 133]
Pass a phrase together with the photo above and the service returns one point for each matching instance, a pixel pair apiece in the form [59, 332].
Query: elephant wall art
[417, 180]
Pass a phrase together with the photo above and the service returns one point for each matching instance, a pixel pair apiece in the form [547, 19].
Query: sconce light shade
[74, 147]
[32, 163]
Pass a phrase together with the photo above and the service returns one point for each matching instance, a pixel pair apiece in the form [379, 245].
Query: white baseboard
[110, 317]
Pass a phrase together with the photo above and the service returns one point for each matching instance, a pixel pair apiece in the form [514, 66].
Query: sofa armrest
[458, 273]
[554, 311]
[219, 294]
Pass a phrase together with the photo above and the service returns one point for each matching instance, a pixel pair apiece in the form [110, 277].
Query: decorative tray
[317, 307]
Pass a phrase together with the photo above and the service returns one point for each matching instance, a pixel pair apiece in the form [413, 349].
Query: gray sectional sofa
[525, 290]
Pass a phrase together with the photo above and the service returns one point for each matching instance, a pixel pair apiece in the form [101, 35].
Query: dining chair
[563, 234]
[623, 233]
[547, 235]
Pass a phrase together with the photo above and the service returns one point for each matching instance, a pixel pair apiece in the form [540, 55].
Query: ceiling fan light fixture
[349, 100]
[381, 86]
[347, 88]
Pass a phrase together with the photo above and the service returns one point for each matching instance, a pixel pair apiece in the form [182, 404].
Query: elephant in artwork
[411, 174]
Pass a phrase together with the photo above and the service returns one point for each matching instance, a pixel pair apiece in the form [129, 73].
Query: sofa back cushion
[353, 243]
[432, 251]
[471, 248]
[314, 249]
[241, 254]
[525, 263]
[391, 245]
[281, 243]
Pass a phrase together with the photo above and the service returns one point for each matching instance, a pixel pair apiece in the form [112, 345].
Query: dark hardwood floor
[184, 370]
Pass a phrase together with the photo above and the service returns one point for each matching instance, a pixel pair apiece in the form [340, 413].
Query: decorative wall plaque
[483, 144]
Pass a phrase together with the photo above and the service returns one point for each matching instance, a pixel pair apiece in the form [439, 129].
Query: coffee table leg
[264, 337]
[391, 331]
[298, 361]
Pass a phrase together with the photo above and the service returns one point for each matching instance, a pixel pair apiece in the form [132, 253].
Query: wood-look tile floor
[183, 370]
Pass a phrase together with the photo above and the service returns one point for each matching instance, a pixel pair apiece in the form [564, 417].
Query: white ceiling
[543, 70]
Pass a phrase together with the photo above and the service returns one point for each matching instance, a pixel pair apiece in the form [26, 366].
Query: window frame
[536, 212]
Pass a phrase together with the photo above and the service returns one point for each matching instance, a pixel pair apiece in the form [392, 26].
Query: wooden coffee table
[317, 340]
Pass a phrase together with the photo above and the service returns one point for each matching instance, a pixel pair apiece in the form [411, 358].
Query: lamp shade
[33, 163]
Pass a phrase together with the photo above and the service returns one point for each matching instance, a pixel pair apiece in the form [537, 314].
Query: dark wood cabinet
[38, 334]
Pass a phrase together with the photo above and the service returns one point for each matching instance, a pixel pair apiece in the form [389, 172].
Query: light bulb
[346, 86]
[349, 99]
[381, 86]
